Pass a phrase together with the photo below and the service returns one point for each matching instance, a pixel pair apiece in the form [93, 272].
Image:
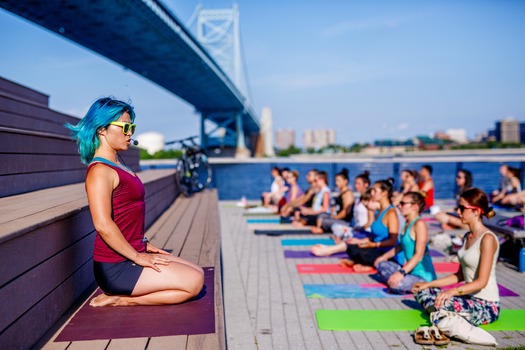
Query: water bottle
[521, 264]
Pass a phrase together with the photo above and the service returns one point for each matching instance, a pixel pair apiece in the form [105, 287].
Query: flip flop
[423, 336]
[439, 337]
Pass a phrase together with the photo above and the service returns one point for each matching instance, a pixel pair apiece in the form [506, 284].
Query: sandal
[422, 336]
[439, 337]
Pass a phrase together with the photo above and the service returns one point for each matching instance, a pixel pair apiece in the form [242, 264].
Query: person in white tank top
[478, 297]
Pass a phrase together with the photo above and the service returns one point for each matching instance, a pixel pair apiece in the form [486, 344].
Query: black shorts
[117, 278]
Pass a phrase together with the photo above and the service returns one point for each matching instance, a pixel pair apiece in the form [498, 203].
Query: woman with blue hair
[129, 269]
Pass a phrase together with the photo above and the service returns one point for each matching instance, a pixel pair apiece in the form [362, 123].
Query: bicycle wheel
[183, 178]
[200, 172]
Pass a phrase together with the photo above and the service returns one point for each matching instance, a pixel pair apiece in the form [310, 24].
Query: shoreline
[493, 155]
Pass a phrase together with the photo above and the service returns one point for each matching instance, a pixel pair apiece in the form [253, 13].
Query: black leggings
[363, 256]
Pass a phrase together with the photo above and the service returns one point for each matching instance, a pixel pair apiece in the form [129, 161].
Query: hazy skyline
[369, 70]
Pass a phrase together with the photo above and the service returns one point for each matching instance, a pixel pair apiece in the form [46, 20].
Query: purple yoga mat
[113, 322]
[298, 254]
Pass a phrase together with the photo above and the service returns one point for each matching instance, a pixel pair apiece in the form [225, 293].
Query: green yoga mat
[402, 320]
[371, 320]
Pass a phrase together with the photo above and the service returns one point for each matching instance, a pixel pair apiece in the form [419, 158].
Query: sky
[367, 69]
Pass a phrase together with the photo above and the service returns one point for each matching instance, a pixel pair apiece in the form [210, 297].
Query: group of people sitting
[387, 232]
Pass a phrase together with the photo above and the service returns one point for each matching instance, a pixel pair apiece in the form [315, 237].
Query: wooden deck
[266, 307]
[190, 228]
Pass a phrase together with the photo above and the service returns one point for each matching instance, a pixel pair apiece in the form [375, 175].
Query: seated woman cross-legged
[478, 299]
[363, 252]
[342, 211]
[127, 268]
[413, 244]
[320, 204]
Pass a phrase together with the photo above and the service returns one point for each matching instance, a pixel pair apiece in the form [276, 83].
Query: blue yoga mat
[354, 291]
[307, 241]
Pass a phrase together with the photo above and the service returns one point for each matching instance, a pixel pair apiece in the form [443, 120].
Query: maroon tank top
[129, 211]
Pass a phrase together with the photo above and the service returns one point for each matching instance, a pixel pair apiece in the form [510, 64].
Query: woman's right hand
[379, 260]
[151, 260]
[416, 287]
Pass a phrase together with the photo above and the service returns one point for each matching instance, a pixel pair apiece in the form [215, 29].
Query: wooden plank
[174, 239]
[43, 243]
[171, 342]
[192, 245]
[10, 88]
[128, 344]
[22, 183]
[30, 327]
[20, 294]
[31, 163]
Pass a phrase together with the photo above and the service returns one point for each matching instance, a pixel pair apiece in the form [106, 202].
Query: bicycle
[193, 170]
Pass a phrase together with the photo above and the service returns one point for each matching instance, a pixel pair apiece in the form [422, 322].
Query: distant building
[457, 135]
[318, 138]
[508, 130]
[284, 138]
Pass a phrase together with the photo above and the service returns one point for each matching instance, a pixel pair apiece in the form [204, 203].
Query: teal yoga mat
[264, 221]
[402, 320]
[307, 242]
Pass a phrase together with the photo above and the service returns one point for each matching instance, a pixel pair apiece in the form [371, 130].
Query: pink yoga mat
[115, 322]
[441, 267]
[327, 268]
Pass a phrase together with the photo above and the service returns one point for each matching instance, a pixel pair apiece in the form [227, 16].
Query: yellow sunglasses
[126, 127]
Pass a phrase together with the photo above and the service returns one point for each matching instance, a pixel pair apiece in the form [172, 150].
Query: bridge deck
[266, 307]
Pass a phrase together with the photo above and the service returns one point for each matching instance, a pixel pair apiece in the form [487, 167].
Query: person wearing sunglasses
[478, 298]
[129, 269]
[414, 247]
[451, 221]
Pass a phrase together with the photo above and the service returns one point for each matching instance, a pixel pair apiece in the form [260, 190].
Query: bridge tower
[218, 30]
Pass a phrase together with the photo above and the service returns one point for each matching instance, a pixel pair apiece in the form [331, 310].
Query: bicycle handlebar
[181, 141]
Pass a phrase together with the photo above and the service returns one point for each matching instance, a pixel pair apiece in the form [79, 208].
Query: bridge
[146, 37]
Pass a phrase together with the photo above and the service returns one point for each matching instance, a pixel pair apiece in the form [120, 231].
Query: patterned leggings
[481, 311]
[388, 268]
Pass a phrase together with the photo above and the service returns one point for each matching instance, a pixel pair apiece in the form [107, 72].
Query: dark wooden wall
[35, 149]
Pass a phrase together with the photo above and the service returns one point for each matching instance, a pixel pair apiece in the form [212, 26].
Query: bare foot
[297, 224]
[104, 300]
[346, 263]
[316, 230]
[362, 268]
[321, 250]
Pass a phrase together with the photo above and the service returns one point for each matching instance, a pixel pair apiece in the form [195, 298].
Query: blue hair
[102, 112]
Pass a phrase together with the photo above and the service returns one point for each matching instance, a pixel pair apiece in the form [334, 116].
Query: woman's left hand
[395, 279]
[150, 248]
[443, 297]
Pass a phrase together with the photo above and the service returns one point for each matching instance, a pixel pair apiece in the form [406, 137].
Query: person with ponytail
[129, 269]
[414, 247]
[363, 252]
[342, 211]
[478, 298]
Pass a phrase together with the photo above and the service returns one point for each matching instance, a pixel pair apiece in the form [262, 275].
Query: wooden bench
[46, 248]
[189, 228]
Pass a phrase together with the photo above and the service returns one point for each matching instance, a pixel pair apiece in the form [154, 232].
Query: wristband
[403, 272]
[460, 290]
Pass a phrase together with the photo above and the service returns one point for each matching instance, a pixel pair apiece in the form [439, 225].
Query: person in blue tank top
[363, 252]
[414, 246]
